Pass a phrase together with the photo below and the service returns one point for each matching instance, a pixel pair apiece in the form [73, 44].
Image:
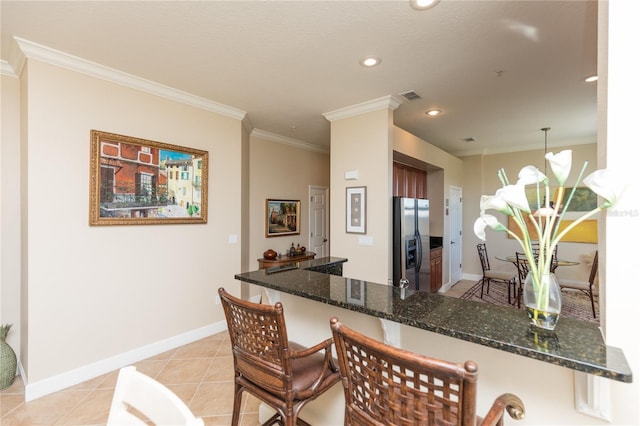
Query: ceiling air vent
[410, 95]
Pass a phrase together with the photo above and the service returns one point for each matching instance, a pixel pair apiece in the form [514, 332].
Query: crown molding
[521, 148]
[386, 102]
[7, 69]
[288, 141]
[54, 57]
[15, 59]
[247, 125]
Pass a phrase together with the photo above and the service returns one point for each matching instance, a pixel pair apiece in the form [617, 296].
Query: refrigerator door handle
[418, 251]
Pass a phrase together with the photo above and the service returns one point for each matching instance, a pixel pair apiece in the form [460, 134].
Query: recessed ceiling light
[591, 78]
[370, 61]
[433, 112]
[423, 4]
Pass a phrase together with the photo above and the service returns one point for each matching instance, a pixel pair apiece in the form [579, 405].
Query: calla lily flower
[488, 202]
[544, 212]
[560, 165]
[486, 220]
[607, 184]
[529, 175]
[514, 196]
[512, 200]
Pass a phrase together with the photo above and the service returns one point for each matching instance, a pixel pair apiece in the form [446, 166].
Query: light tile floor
[201, 373]
[460, 288]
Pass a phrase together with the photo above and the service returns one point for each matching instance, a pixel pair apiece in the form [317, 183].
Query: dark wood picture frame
[282, 217]
[136, 181]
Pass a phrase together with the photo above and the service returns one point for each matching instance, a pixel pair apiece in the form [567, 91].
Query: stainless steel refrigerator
[411, 248]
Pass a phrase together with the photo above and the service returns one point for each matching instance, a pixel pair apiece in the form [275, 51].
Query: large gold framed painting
[136, 181]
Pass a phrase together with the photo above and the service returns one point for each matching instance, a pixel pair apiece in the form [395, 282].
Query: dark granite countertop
[575, 344]
[435, 242]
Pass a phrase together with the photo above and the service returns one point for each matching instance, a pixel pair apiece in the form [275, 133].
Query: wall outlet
[217, 299]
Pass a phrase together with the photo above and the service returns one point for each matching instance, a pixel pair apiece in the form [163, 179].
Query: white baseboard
[87, 372]
[445, 288]
[471, 277]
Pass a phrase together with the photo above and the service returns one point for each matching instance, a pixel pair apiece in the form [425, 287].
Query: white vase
[542, 301]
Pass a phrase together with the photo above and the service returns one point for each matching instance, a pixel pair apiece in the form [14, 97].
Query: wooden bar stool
[284, 375]
[385, 385]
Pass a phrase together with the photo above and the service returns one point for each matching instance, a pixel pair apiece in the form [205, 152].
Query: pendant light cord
[545, 130]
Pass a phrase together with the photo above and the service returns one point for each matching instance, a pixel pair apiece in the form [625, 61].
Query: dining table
[514, 259]
[557, 263]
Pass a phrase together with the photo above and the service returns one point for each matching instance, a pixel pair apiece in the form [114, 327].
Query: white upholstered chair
[584, 286]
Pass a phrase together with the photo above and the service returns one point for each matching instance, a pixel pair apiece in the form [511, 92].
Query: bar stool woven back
[385, 385]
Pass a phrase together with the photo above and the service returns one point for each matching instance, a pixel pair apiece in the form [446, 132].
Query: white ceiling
[500, 70]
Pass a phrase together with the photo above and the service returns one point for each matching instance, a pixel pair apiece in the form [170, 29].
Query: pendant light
[542, 211]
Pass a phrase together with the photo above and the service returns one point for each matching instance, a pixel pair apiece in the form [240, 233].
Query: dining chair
[535, 247]
[150, 400]
[523, 269]
[386, 385]
[585, 287]
[283, 374]
[489, 275]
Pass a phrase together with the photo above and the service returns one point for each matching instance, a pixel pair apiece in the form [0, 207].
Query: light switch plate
[365, 240]
[351, 174]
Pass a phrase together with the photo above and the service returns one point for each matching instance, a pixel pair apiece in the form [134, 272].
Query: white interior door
[455, 233]
[318, 233]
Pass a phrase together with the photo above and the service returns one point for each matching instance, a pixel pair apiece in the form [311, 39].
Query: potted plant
[8, 361]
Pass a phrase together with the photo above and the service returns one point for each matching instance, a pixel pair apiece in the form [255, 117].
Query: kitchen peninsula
[577, 345]
[557, 376]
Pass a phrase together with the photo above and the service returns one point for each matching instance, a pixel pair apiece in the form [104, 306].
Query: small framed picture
[357, 210]
[282, 217]
[355, 292]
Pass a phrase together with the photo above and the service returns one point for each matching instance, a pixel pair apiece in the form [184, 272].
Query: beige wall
[362, 143]
[281, 171]
[374, 171]
[87, 285]
[480, 177]
[10, 208]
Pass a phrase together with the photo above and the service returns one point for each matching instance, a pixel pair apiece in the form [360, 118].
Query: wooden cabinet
[284, 260]
[409, 181]
[436, 270]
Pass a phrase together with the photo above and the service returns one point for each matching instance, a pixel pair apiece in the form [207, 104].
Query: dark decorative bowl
[270, 254]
